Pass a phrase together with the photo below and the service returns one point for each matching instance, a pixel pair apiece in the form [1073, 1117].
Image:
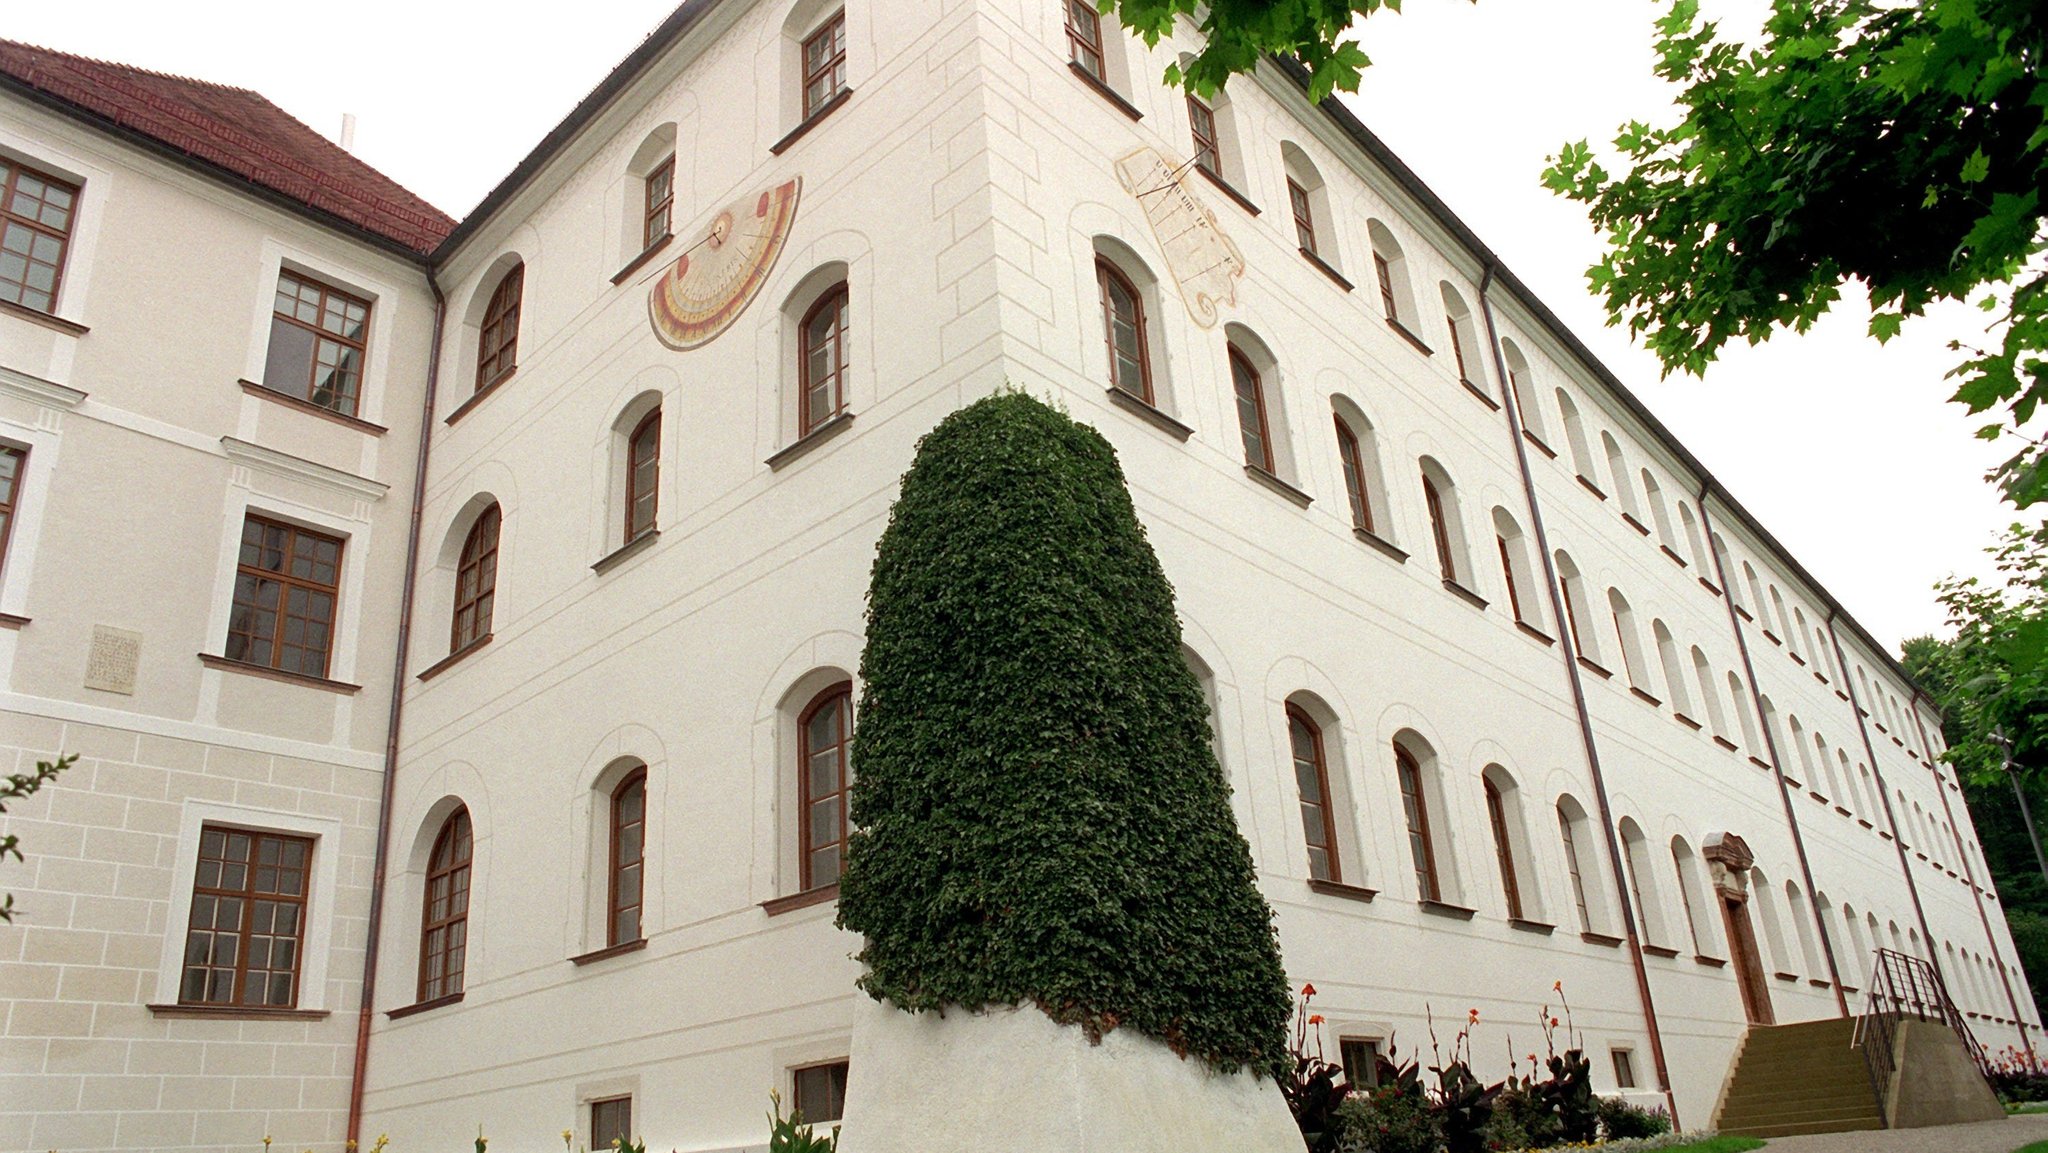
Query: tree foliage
[1040, 818]
[15, 787]
[1903, 146]
[1240, 32]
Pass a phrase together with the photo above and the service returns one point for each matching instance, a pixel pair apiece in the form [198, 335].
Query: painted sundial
[1204, 261]
[725, 265]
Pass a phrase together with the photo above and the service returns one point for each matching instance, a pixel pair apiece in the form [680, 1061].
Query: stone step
[1799, 1129]
[1743, 1120]
[1856, 1090]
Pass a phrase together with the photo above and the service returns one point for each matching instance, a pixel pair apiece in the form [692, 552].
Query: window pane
[288, 367]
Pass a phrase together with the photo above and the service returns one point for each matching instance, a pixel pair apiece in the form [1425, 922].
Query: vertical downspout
[1884, 794]
[1969, 875]
[1566, 644]
[1756, 695]
[398, 663]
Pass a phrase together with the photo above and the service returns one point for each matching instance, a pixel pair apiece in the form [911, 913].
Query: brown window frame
[620, 1128]
[658, 206]
[347, 400]
[1573, 868]
[476, 581]
[1507, 572]
[839, 697]
[1316, 814]
[1352, 457]
[1202, 128]
[1624, 1068]
[1304, 216]
[1384, 273]
[1084, 45]
[1360, 1059]
[624, 893]
[10, 495]
[1244, 374]
[1457, 348]
[1504, 849]
[835, 1073]
[248, 894]
[288, 584]
[1692, 925]
[11, 174]
[1415, 807]
[1439, 528]
[838, 298]
[643, 453]
[446, 936]
[1110, 279]
[829, 67]
[497, 340]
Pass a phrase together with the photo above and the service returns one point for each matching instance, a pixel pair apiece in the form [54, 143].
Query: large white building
[459, 623]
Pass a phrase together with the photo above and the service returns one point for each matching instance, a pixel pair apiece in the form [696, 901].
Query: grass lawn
[2036, 1147]
[1724, 1144]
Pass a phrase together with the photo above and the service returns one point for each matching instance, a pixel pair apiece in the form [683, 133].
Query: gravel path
[1978, 1137]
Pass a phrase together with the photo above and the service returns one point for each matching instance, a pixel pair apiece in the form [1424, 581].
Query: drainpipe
[1571, 667]
[1756, 694]
[398, 663]
[1884, 794]
[1969, 875]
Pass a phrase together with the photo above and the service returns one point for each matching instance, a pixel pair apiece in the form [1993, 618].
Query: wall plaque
[110, 665]
[1204, 261]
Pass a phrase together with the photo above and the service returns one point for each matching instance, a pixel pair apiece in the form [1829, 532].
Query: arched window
[1693, 549]
[1465, 343]
[1617, 471]
[1519, 376]
[444, 913]
[1312, 779]
[1577, 612]
[1801, 754]
[1764, 897]
[1824, 767]
[497, 345]
[824, 53]
[1439, 496]
[1795, 633]
[821, 360]
[1575, 438]
[476, 582]
[1202, 131]
[1778, 617]
[1415, 806]
[1717, 721]
[1693, 896]
[1571, 828]
[825, 733]
[1519, 578]
[1660, 516]
[1738, 701]
[1756, 595]
[1674, 674]
[1084, 39]
[1503, 843]
[1390, 270]
[1123, 327]
[1802, 926]
[1251, 411]
[1353, 460]
[628, 859]
[1632, 664]
[1643, 883]
[643, 475]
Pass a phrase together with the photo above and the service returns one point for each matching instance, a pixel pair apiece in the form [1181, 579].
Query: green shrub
[1620, 1120]
[1040, 817]
[1395, 1117]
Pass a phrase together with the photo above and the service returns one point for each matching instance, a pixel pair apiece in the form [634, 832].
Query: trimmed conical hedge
[1041, 816]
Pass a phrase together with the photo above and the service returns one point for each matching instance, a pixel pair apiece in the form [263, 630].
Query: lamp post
[1999, 738]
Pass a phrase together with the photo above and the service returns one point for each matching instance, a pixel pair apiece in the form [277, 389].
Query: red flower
[1308, 990]
[1553, 1022]
[1315, 1018]
[1557, 986]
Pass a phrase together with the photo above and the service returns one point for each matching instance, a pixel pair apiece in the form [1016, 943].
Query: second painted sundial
[724, 267]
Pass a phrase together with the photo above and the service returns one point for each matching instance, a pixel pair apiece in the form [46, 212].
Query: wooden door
[1749, 967]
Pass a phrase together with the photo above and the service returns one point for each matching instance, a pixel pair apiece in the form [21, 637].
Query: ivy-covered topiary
[1041, 818]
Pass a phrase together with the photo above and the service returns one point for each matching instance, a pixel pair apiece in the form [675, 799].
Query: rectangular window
[1624, 1069]
[1361, 1058]
[317, 337]
[821, 1092]
[611, 1120]
[35, 228]
[1084, 38]
[243, 940]
[1202, 122]
[1304, 220]
[825, 64]
[12, 462]
[285, 590]
[661, 201]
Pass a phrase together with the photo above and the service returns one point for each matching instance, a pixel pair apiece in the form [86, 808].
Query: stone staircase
[1800, 1078]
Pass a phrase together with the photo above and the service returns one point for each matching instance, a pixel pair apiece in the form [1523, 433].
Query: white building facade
[1509, 691]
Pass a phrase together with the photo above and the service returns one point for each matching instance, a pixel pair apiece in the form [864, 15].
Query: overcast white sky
[1847, 452]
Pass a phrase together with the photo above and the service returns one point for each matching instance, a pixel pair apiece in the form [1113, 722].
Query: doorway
[1749, 966]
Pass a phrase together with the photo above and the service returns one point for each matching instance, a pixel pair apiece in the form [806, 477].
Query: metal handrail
[1902, 985]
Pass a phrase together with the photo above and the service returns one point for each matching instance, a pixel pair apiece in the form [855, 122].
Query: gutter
[398, 662]
[1568, 646]
[1756, 700]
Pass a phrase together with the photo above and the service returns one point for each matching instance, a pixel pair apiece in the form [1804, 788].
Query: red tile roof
[236, 130]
